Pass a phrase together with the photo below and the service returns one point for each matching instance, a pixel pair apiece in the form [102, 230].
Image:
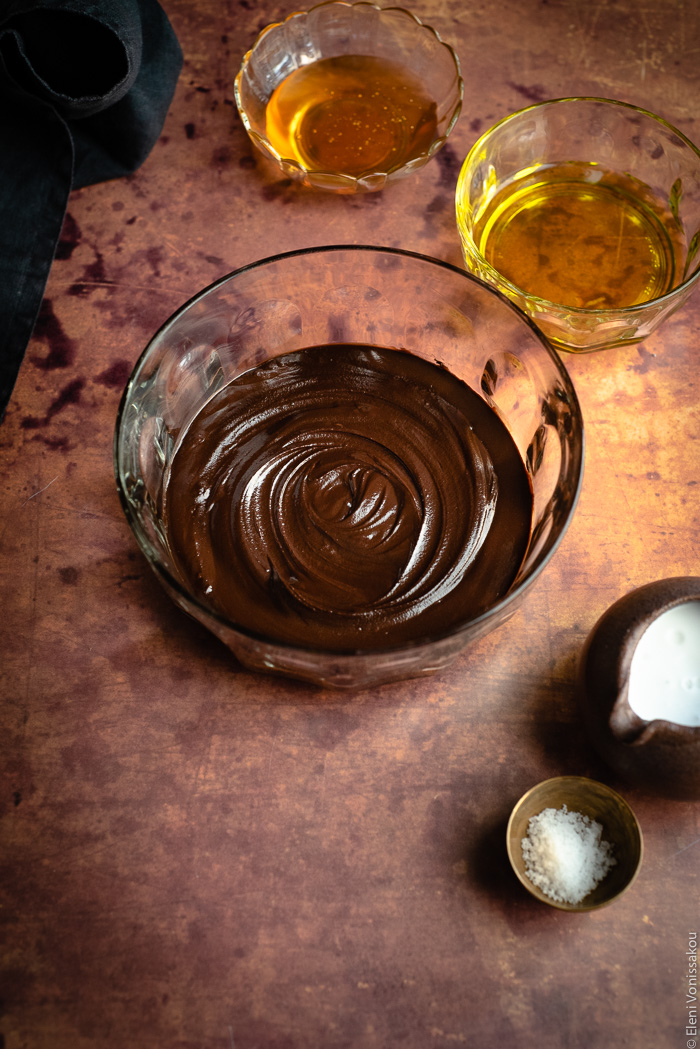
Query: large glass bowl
[335, 30]
[649, 173]
[344, 295]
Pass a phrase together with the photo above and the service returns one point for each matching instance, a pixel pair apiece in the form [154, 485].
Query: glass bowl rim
[171, 583]
[420, 24]
[580, 311]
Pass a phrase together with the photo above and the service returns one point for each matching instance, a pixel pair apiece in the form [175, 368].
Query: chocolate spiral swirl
[343, 497]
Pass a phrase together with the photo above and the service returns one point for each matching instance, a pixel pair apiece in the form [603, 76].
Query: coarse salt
[565, 855]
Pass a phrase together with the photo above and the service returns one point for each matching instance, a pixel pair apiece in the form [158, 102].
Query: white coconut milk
[665, 671]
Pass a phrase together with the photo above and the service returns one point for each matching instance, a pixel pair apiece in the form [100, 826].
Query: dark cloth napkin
[84, 90]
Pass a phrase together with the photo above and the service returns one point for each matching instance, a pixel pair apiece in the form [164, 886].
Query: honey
[581, 236]
[352, 115]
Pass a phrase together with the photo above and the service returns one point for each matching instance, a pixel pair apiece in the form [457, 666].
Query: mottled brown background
[195, 857]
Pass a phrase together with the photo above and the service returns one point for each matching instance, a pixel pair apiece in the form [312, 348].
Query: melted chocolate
[348, 497]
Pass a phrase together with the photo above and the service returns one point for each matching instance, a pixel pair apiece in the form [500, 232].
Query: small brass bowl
[600, 803]
[338, 31]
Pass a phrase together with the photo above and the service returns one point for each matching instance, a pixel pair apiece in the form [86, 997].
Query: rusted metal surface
[195, 857]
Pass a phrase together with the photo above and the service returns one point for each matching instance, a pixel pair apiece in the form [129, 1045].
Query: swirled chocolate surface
[347, 497]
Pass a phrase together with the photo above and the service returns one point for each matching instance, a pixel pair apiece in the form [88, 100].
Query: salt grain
[565, 855]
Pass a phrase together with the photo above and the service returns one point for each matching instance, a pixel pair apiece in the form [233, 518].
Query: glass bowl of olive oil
[586, 213]
[349, 96]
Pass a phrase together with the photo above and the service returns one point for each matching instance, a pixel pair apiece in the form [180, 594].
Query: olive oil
[352, 115]
[582, 236]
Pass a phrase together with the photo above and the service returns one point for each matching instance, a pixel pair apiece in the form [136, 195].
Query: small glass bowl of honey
[349, 96]
[586, 213]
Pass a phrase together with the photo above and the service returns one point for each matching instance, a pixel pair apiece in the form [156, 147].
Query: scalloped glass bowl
[334, 29]
[350, 294]
[600, 134]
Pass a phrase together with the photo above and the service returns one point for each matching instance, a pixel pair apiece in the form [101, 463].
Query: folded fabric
[84, 91]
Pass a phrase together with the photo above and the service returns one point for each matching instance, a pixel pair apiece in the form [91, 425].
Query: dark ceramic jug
[660, 756]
